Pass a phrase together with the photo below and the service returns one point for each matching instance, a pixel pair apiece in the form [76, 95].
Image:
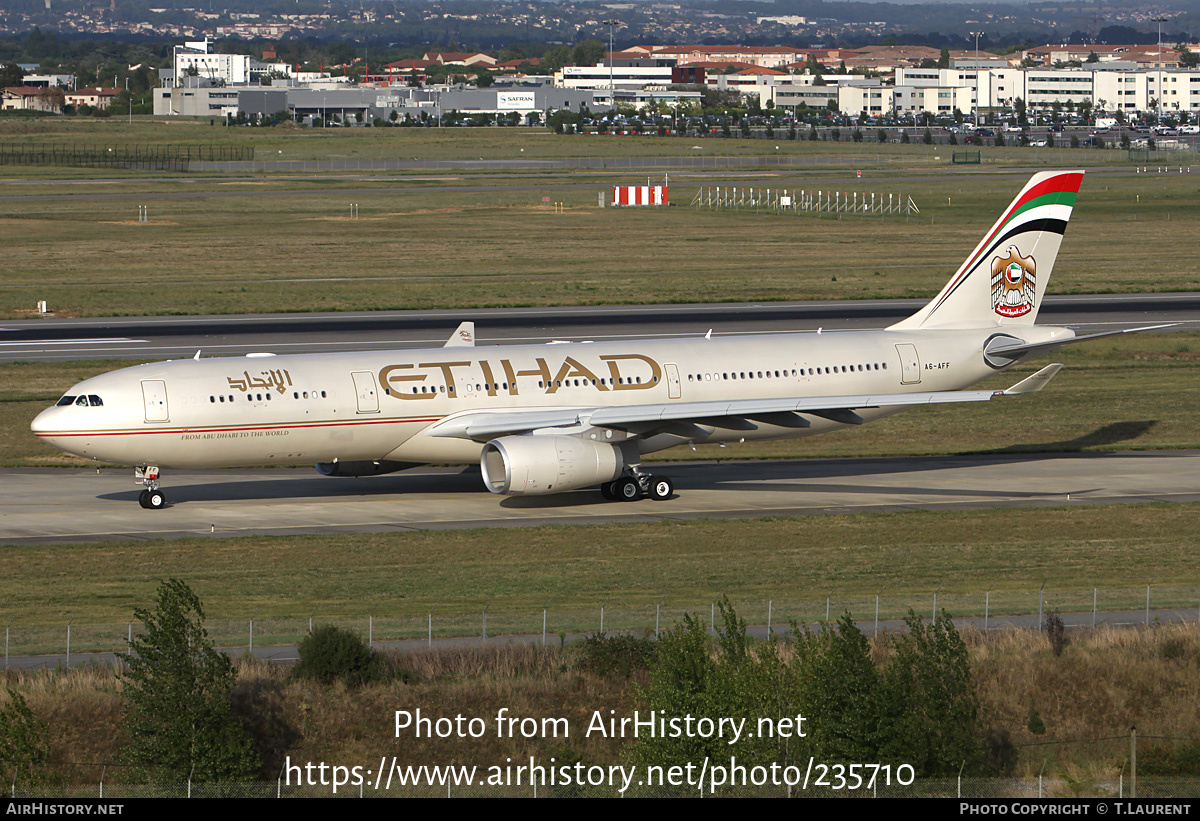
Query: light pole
[612, 88]
[1160, 19]
[975, 113]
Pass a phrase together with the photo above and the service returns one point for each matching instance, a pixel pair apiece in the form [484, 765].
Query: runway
[57, 506]
[173, 337]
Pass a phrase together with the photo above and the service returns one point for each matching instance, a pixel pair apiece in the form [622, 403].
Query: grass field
[261, 244]
[515, 573]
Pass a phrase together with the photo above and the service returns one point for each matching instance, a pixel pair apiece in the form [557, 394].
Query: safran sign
[514, 100]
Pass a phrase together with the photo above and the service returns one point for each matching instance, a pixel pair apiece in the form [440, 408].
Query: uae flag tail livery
[1004, 278]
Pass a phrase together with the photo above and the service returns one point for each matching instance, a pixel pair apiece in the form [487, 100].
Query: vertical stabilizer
[1003, 280]
[463, 336]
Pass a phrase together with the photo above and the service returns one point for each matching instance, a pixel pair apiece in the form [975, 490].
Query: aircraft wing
[684, 418]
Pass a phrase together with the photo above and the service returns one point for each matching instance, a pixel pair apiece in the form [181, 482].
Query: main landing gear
[638, 486]
[151, 498]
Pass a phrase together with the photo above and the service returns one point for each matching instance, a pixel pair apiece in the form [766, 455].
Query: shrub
[24, 747]
[1183, 759]
[617, 656]
[331, 654]
[1056, 631]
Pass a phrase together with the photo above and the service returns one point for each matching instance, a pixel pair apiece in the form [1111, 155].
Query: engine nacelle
[366, 467]
[533, 465]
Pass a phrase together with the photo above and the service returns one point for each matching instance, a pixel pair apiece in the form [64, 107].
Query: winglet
[463, 336]
[1033, 384]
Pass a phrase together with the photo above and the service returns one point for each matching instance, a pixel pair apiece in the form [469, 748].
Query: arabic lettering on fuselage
[278, 379]
[617, 372]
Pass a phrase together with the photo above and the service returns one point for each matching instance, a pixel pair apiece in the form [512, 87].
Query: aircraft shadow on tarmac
[313, 487]
[1104, 436]
[807, 475]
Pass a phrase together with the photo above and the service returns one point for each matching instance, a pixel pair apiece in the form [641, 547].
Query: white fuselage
[263, 410]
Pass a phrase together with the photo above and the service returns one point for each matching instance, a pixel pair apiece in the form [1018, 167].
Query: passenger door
[368, 394]
[910, 364]
[154, 395]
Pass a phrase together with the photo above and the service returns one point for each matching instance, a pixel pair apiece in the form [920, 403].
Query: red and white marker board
[640, 195]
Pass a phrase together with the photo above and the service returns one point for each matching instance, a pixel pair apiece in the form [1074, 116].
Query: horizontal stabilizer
[1016, 349]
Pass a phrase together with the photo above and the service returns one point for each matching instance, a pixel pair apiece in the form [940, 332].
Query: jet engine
[533, 465]
[366, 467]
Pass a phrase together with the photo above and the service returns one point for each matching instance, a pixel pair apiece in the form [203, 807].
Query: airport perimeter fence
[1117, 787]
[138, 156]
[411, 626]
[860, 155]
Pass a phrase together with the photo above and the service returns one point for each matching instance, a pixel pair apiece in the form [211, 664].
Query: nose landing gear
[151, 498]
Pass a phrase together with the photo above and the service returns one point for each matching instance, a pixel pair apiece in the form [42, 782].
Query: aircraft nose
[43, 422]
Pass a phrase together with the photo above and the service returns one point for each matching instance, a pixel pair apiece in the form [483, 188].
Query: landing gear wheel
[142, 498]
[153, 500]
[627, 489]
[661, 488]
[606, 490]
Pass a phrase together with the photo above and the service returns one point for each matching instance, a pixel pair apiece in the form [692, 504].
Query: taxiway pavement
[58, 506]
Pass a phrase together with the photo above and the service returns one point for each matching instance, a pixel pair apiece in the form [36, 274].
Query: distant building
[461, 58]
[98, 98]
[196, 59]
[31, 98]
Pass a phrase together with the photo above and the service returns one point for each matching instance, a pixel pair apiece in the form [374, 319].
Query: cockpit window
[94, 400]
[67, 400]
[81, 401]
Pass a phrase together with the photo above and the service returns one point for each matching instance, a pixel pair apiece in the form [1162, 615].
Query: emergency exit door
[673, 386]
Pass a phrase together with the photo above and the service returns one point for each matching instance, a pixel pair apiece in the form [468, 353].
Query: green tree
[555, 58]
[11, 75]
[839, 687]
[735, 678]
[929, 700]
[944, 58]
[1187, 58]
[23, 744]
[178, 690]
[588, 53]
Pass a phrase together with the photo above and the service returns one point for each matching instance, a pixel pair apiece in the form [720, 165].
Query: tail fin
[1003, 280]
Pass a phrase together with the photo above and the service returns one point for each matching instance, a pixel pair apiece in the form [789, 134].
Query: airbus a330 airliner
[550, 418]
